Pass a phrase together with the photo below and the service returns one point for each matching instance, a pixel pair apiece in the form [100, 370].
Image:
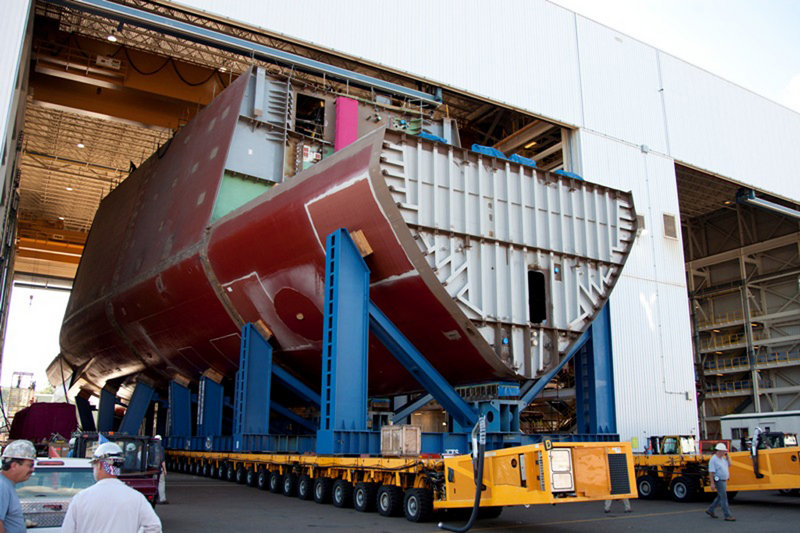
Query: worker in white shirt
[109, 506]
[718, 472]
[754, 451]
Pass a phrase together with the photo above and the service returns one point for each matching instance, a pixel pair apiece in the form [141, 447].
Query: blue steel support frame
[85, 414]
[105, 411]
[201, 35]
[594, 379]
[344, 345]
[137, 409]
[209, 408]
[253, 386]
[410, 407]
[180, 410]
[420, 368]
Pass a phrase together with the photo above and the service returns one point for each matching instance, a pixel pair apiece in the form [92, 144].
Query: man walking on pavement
[18, 458]
[109, 506]
[718, 472]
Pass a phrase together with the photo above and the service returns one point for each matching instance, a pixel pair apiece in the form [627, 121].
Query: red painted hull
[162, 293]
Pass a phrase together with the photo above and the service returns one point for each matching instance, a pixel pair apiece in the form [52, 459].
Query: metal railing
[742, 361]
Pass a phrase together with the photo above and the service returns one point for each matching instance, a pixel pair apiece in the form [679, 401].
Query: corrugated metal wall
[12, 31]
[651, 334]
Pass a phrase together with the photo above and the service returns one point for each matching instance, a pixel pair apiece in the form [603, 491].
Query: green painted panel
[235, 191]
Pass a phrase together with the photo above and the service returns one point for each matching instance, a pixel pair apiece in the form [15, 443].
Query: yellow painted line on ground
[604, 518]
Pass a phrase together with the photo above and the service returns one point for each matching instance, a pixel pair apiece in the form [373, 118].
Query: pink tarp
[346, 122]
[41, 420]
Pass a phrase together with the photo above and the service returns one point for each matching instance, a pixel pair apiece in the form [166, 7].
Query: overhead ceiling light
[60, 218]
[532, 143]
[715, 330]
[68, 187]
[727, 202]
[80, 145]
[111, 37]
[223, 69]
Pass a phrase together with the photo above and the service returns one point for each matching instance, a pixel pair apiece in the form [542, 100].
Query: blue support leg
[344, 351]
[85, 414]
[209, 408]
[253, 387]
[180, 411]
[105, 411]
[594, 380]
[137, 409]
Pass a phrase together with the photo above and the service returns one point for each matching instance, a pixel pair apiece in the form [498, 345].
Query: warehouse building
[705, 320]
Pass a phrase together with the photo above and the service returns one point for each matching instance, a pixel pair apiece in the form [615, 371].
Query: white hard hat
[720, 447]
[108, 451]
[20, 449]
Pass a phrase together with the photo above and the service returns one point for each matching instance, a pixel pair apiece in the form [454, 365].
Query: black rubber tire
[240, 475]
[647, 486]
[262, 478]
[342, 494]
[275, 482]
[322, 489]
[251, 477]
[230, 472]
[390, 500]
[683, 489]
[305, 487]
[206, 469]
[212, 470]
[418, 505]
[487, 513]
[289, 486]
[364, 496]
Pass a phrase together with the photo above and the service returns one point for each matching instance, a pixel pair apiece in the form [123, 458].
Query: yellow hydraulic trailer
[684, 476]
[523, 475]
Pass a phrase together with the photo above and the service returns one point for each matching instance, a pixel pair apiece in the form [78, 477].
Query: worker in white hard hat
[162, 478]
[718, 472]
[109, 506]
[17, 460]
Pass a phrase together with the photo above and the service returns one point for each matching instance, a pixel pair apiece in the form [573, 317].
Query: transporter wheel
[250, 477]
[683, 489]
[240, 475]
[390, 500]
[262, 479]
[213, 471]
[364, 496]
[789, 492]
[342, 494]
[322, 490]
[648, 487]
[275, 482]
[289, 485]
[206, 469]
[305, 487]
[418, 505]
[230, 472]
[197, 468]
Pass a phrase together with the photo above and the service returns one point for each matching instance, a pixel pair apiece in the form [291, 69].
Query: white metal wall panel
[12, 31]
[621, 85]
[720, 127]
[653, 370]
[459, 43]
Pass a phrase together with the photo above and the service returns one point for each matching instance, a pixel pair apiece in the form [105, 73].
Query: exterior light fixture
[80, 145]
[111, 37]
[68, 187]
[532, 143]
[60, 218]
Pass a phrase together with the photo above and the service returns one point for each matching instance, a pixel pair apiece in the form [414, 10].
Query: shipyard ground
[203, 504]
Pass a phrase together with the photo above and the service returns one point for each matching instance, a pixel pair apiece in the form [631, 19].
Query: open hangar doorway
[743, 278]
[103, 96]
